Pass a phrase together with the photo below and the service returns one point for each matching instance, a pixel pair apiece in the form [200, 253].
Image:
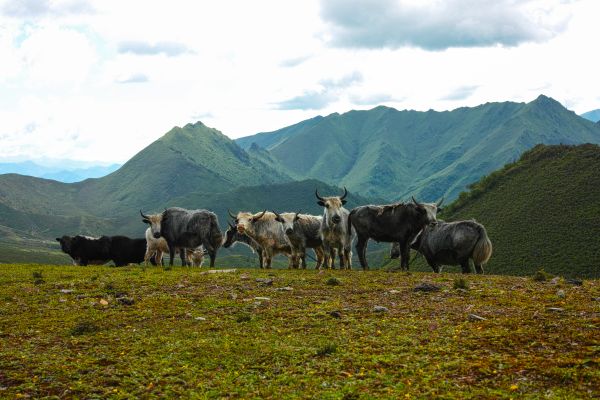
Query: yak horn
[260, 216]
[318, 197]
[275, 212]
[345, 193]
[414, 201]
[440, 202]
[143, 216]
[231, 215]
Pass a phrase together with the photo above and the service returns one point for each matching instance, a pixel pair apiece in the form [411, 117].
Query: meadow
[103, 332]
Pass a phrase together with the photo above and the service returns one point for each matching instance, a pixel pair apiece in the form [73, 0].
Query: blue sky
[101, 79]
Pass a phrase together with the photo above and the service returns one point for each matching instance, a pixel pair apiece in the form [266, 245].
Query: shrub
[461, 283]
[541, 276]
[333, 281]
[326, 349]
[38, 278]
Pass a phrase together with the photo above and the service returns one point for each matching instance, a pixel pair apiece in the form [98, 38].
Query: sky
[98, 80]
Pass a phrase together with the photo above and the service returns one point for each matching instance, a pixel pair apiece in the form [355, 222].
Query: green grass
[194, 335]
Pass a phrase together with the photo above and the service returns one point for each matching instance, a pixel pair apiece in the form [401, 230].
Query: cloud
[42, 8]
[170, 49]
[318, 99]
[460, 93]
[438, 25]
[134, 78]
[293, 62]
[372, 99]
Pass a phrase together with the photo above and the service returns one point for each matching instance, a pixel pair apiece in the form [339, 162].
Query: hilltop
[393, 154]
[541, 212]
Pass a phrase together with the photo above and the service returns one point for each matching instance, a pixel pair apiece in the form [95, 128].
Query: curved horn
[317, 194]
[231, 215]
[414, 201]
[345, 193]
[143, 216]
[275, 212]
[260, 216]
[232, 226]
[440, 202]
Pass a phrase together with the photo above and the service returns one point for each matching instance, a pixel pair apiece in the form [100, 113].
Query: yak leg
[361, 249]
[404, 256]
[328, 251]
[348, 257]
[466, 268]
[320, 256]
[147, 256]
[171, 255]
[267, 258]
[479, 268]
[182, 256]
[260, 258]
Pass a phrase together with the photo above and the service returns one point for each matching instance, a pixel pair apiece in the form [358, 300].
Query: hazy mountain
[392, 154]
[69, 171]
[593, 115]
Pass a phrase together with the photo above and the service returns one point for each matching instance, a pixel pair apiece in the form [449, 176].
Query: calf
[303, 231]
[335, 231]
[267, 232]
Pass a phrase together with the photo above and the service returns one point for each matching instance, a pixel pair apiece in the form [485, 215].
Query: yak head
[333, 206]
[428, 210]
[65, 243]
[287, 221]
[231, 235]
[244, 221]
[155, 221]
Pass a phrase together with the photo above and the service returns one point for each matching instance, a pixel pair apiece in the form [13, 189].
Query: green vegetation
[225, 335]
[542, 211]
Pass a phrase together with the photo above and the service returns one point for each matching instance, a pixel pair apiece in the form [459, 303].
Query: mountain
[593, 115]
[540, 212]
[393, 154]
[62, 170]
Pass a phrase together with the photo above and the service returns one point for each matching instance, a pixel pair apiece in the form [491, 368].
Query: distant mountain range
[593, 115]
[380, 155]
[68, 172]
[393, 154]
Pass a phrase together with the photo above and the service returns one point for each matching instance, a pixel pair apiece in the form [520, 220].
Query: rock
[335, 314]
[561, 293]
[103, 302]
[394, 291]
[200, 319]
[262, 298]
[555, 309]
[380, 309]
[127, 301]
[475, 317]
[426, 287]
[555, 280]
[244, 277]
[265, 281]
[595, 298]
[66, 291]
[285, 289]
[218, 271]
[575, 282]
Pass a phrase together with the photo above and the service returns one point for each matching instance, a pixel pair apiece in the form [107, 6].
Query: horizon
[77, 77]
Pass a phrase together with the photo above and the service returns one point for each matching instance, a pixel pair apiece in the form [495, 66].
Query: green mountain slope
[593, 115]
[542, 211]
[388, 153]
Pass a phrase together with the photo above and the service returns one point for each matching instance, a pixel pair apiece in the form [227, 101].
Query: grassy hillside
[392, 154]
[541, 212]
[99, 332]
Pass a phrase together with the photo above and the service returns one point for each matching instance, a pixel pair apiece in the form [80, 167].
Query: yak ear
[146, 221]
[58, 239]
[321, 203]
[344, 202]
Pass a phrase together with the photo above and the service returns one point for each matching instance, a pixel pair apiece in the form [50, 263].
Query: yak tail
[483, 248]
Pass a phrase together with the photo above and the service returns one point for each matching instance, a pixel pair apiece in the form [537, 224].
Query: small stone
[200, 319]
[394, 291]
[380, 309]
[285, 289]
[244, 277]
[62, 300]
[262, 298]
[555, 309]
[128, 301]
[265, 281]
[561, 294]
[426, 287]
[475, 317]
[576, 282]
[335, 314]
[66, 291]
[103, 302]
[555, 280]
[218, 271]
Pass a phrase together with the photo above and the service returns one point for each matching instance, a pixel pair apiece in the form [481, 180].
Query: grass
[196, 335]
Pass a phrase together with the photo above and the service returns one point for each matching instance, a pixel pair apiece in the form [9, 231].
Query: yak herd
[196, 233]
